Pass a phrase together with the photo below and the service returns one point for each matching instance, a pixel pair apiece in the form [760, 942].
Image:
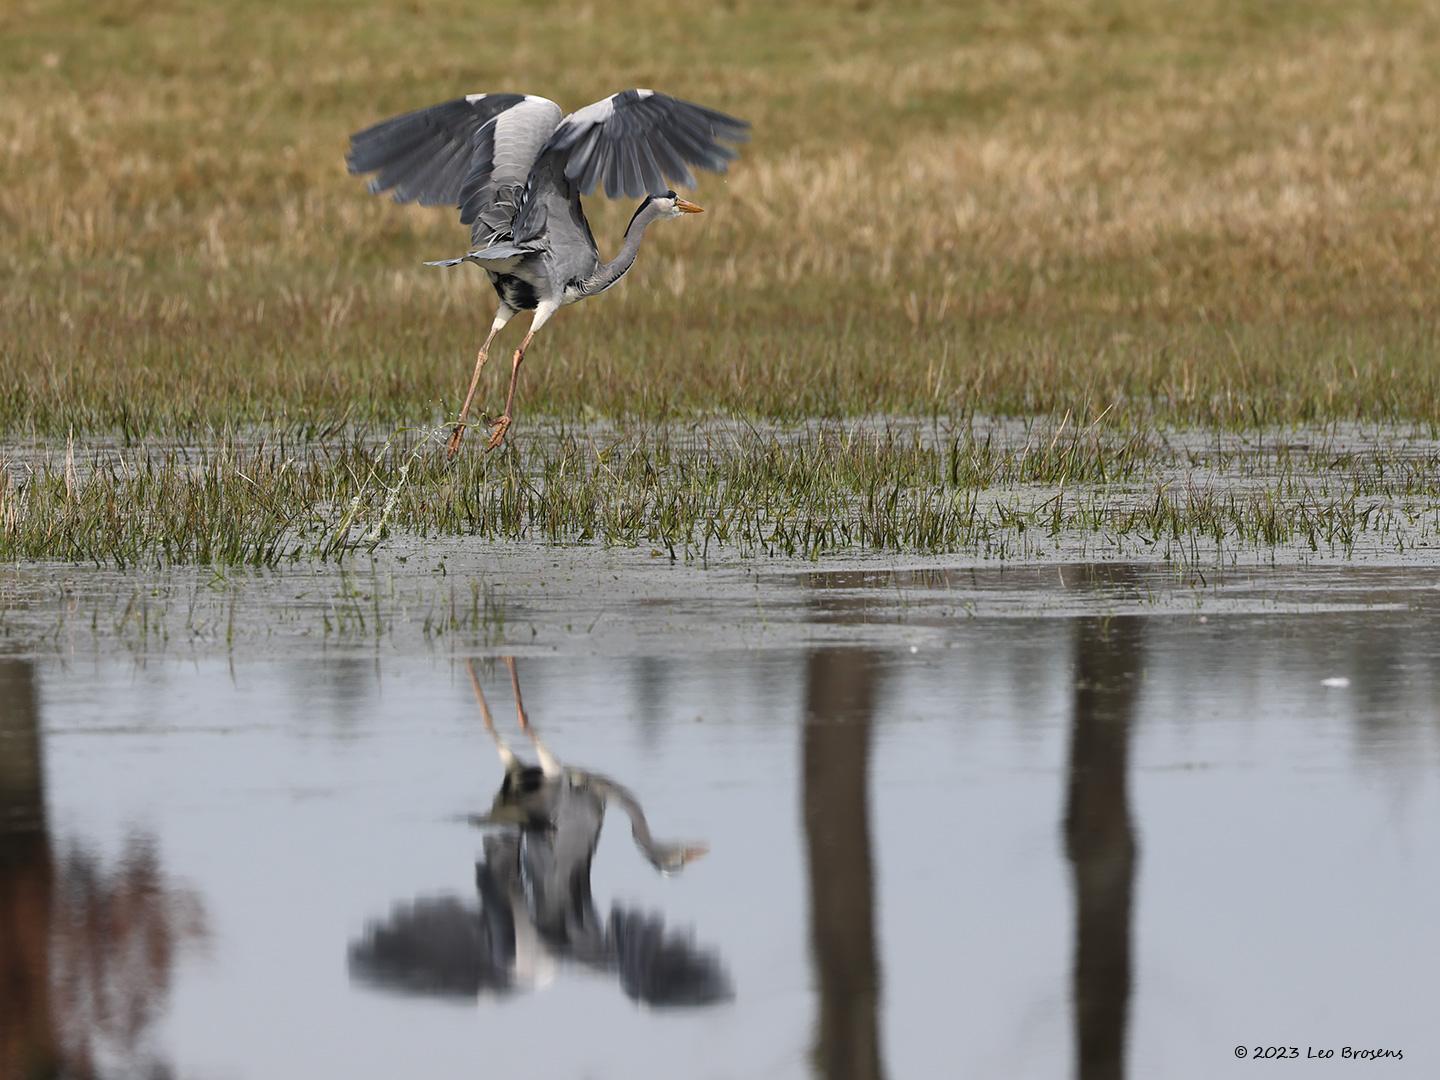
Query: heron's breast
[516, 292]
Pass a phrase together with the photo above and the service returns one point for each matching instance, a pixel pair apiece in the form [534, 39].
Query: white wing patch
[595, 113]
[520, 132]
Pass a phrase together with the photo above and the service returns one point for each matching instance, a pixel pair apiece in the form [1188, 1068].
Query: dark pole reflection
[840, 699]
[1100, 839]
[87, 951]
[28, 1043]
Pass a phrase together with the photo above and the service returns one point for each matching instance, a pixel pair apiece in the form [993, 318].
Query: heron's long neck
[639, 827]
[607, 273]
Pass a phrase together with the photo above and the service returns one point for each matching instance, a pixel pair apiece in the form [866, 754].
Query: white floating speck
[914, 648]
[1335, 682]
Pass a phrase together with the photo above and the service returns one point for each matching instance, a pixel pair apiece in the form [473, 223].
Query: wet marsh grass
[694, 494]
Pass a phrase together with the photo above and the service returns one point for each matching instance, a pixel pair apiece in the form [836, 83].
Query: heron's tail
[498, 257]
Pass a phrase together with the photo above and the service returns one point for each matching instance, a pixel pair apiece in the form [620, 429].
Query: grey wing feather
[425, 156]
[637, 142]
[500, 258]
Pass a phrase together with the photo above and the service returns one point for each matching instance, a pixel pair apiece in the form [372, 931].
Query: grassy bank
[1218, 213]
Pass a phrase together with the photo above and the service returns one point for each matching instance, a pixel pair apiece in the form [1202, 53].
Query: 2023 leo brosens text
[1321, 1053]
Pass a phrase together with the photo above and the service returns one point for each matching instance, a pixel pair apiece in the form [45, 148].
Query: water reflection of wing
[663, 969]
[448, 947]
[433, 945]
[443, 945]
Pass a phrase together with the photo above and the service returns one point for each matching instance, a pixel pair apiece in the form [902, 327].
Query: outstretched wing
[473, 153]
[424, 156]
[635, 143]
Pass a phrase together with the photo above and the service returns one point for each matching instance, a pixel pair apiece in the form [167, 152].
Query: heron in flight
[516, 168]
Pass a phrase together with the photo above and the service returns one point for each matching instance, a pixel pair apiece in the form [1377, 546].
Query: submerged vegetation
[1006, 492]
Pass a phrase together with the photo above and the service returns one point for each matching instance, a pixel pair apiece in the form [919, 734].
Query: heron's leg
[501, 318]
[507, 756]
[548, 764]
[502, 425]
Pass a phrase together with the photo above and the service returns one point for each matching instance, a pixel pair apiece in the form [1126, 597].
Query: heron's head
[667, 205]
[673, 205]
[672, 858]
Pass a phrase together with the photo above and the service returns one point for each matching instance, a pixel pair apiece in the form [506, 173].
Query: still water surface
[1092, 846]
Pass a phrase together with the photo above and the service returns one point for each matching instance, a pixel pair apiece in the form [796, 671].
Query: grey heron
[515, 166]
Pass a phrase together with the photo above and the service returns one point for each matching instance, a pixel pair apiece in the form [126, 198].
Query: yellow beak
[685, 206]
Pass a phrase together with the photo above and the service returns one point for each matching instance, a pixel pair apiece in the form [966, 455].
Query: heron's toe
[497, 432]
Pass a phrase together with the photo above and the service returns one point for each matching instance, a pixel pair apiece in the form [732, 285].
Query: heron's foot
[497, 432]
[453, 446]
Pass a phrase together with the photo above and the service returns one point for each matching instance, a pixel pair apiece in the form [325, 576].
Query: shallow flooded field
[975, 821]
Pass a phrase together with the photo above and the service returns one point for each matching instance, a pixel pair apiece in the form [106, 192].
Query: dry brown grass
[1219, 212]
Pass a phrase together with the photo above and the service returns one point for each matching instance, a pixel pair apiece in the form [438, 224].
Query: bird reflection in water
[534, 910]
